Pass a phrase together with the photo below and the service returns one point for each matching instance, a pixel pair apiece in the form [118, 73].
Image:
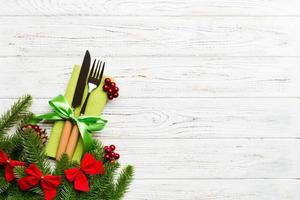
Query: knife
[77, 99]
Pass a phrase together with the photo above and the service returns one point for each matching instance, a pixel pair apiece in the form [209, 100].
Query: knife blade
[81, 82]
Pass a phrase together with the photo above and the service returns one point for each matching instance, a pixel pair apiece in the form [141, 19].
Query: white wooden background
[209, 106]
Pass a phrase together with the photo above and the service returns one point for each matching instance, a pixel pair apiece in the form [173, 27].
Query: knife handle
[72, 142]
[64, 139]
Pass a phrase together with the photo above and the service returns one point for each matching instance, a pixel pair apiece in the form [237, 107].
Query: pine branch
[6, 144]
[98, 151]
[10, 143]
[19, 172]
[102, 186]
[63, 164]
[37, 190]
[34, 151]
[4, 185]
[66, 191]
[14, 193]
[123, 182]
[25, 120]
[16, 113]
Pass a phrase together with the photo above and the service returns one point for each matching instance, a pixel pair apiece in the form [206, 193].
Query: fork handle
[72, 143]
[75, 132]
[85, 103]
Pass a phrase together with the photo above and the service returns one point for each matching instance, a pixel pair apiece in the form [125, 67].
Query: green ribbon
[62, 111]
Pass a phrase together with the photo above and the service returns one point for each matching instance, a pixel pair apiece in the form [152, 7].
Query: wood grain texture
[210, 158]
[144, 77]
[201, 158]
[149, 36]
[209, 106]
[150, 7]
[215, 189]
[195, 118]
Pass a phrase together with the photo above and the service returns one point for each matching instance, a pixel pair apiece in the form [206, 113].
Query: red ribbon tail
[81, 183]
[49, 185]
[49, 194]
[9, 173]
[28, 182]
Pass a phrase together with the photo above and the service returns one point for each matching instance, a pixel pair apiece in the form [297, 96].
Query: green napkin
[95, 106]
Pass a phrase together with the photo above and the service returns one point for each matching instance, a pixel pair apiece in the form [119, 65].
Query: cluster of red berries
[110, 155]
[111, 88]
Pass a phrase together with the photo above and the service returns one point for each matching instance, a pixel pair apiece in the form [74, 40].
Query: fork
[94, 81]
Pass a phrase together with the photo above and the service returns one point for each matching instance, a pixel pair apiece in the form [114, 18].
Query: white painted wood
[160, 77]
[211, 158]
[149, 36]
[195, 118]
[209, 104]
[150, 7]
[215, 189]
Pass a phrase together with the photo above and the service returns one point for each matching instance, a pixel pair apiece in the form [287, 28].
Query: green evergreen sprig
[4, 185]
[123, 182]
[17, 112]
[34, 151]
[26, 146]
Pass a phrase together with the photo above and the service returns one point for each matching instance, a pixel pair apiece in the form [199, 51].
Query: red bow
[89, 165]
[9, 166]
[35, 176]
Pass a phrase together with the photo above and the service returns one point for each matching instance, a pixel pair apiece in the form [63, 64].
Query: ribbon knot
[9, 166]
[63, 111]
[35, 177]
[88, 166]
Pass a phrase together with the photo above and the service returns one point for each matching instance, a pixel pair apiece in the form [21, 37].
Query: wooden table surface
[209, 106]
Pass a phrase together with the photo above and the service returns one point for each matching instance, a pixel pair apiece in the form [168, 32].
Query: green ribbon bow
[63, 111]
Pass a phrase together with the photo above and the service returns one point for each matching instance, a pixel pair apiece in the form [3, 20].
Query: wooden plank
[162, 158]
[148, 36]
[160, 77]
[195, 118]
[210, 158]
[150, 7]
[214, 189]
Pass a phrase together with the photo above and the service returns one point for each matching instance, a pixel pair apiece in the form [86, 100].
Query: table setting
[69, 162]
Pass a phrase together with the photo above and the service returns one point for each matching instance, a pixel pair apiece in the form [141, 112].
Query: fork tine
[92, 70]
[98, 71]
[102, 70]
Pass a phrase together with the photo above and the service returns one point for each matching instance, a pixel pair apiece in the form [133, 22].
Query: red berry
[107, 81]
[112, 147]
[116, 89]
[37, 128]
[116, 94]
[107, 157]
[113, 84]
[110, 97]
[112, 154]
[108, 150]
[105, 148]
[109, 91]
[105, 87]
[117, 156]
